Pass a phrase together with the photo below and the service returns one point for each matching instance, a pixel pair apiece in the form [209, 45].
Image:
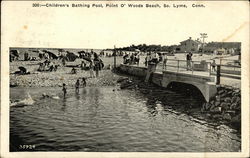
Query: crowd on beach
[90, 62]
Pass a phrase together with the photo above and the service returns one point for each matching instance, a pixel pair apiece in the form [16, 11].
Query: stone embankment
[226, 105]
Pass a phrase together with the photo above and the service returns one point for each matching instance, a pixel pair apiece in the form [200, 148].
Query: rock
[237, 91]
[229, 93]
[233, 100]
[207, 106]
[217, 98]
[221, 91]
[217, 103]
[212, 102]
[231, 112]
[122, 80]
[227, 100]
[212, 106]
[208, 115]
[216, 110]
[217, 116]
[227, 116]
[238, 100]
[236, 119]
[223, 95]
[224, 106]
[233, 106]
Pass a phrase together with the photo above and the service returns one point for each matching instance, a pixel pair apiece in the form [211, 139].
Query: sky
[27, 26]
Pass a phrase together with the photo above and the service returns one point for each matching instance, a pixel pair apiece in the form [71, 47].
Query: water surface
[108, 119]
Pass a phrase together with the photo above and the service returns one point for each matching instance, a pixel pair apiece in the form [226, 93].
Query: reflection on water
[107, 119]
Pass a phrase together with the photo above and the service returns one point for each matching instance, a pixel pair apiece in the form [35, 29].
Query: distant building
[232, 48]
[189, 45]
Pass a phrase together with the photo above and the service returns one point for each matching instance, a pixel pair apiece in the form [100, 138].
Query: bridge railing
[230, 66]
[193, 67]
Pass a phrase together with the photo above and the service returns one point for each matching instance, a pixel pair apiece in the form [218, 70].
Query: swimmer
[44, 95]
[27, 101]
[64, 90]
[77, 85]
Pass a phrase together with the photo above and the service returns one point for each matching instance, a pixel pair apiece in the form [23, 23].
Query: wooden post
[218, 75]
[178, 65]
[209, 69]
[166, 65]
[114, 57]
[192, 67]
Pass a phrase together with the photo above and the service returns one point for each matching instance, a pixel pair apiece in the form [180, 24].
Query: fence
[194, 67]
[230, 66]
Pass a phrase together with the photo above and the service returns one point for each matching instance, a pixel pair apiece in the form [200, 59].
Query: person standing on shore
[152, 63]
[189, 59]
[63, 61]
[77, 86]
[64, 90]
[213, 64]
[146, 61]
[138, 59]
[164, 63]
[97, 64]
[91, 69]
[83, 65]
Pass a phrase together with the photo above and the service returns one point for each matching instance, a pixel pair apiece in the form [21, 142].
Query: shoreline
[53, 79]
[212, 110]
[221, 109]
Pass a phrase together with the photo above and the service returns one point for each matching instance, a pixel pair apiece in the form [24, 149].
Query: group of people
[189, 62]
[156, 57]
[95, 64]
[133, 58]
[47, 66]
[77, 86]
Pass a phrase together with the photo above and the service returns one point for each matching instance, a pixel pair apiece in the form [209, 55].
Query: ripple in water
[104, 119]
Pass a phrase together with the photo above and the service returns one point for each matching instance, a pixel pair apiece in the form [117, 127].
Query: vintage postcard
[124, 79]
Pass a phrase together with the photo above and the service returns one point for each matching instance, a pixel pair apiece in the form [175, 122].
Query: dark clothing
[97, 64]
[84, 82]
[64, 91]
[189, 59]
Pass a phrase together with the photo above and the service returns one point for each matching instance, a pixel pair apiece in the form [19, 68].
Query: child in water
[77, 85]
[64, 90]
[84, 82]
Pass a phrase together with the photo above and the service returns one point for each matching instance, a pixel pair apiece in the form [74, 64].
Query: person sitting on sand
[51, 68]
[77, 85]
[73, 71]
[41, 67]
[84, 83]
[109, 67]
[64, 90]
[63, 61]
[55, 67]
[83, 65]
[91, 67]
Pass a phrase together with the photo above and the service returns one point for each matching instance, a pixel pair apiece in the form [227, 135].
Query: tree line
[147, 48]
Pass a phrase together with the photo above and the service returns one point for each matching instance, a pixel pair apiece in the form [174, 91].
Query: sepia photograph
[128, 78]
